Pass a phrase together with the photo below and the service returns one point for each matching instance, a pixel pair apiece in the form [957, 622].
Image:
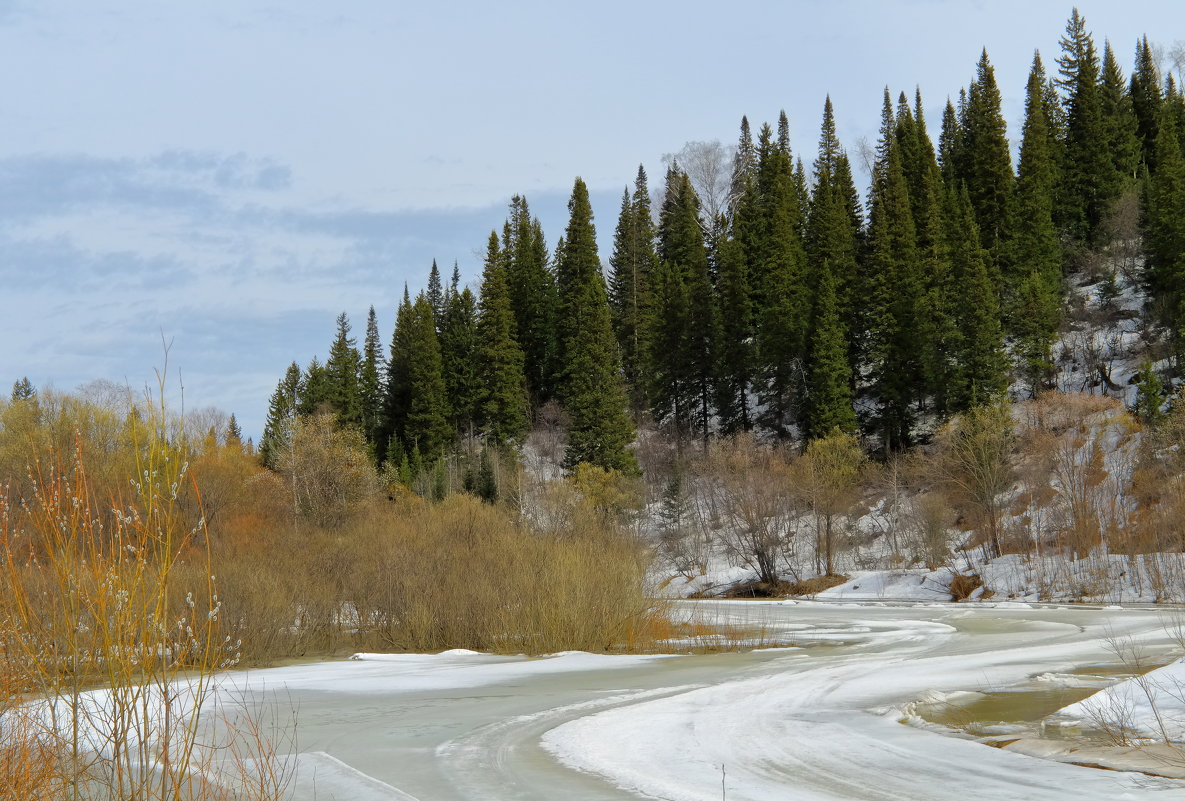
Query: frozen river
[816, 721]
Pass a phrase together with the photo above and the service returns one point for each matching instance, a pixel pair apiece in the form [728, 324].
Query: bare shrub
[972, 465]
[750, 494]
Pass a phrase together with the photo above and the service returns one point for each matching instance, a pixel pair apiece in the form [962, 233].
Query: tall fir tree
[829, 395]
[281, 413]
[1119, 124]
[987, 163]
[681, 245]
[315, 390]
[532, 289]
[426, 430]
[1164, 227]
[630, 288]
[590, 383]
[833, 233]
[342, 372]
[891, 288]
[736, 357]
[1033, 283]
[1090, 181]
[1147, 100]
[781, 298]
[396, 392]
[982, 365]
[459, 360]
[503, 393]
[435, 295]
[370, 379]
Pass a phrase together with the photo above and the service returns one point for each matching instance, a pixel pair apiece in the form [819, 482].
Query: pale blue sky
[235, 173]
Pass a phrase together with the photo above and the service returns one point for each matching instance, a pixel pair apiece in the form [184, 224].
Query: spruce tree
[781, 298]
[1119, 124]
[531, 285]
[281, 413]
[342, 372]
[987, 169]
[891, 290]
[630, 288]
[982, 365]
[435, 295]
[1090, 181]
[681, 245]
[370, 379]
[426, 429]
[23, 390]
[671, 387]
[396, 393]
[459, 361]
[590, 364]
[736, 358]
[829, 394]
[315, 389]
[1164, 227]
[503, 398]
[833, 233]
[1146, 99]
[234, 434]
[1033, 282]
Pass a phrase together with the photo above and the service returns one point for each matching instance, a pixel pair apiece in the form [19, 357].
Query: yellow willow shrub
[93, 624]
[463, 574]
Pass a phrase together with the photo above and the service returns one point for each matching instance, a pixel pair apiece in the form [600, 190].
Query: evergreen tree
[234, 434]
[315, 389]
[1147, 101]
[1119, 124]
[590, 374]
[1033, 282]
[370, 379]
[1164, 227]
[281, 412]
[630, 288]
[459, 360]
[891, 288]
[833, 234]
[744, 168]
[503, 404]
[950, 146]
[777, 264]
[1090, 181]
[435, 295]
[23, 390]
[829, 396]
[532, 289]
[342, 372]
[736, 357]
[671, 389]
[426, 429]
[982, 374]
[681, 245]
[987, 164]
[396, 393]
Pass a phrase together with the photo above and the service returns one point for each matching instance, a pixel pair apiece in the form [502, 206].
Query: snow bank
[1150, 707]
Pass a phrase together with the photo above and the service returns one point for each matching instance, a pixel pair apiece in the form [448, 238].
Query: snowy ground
[822, 717]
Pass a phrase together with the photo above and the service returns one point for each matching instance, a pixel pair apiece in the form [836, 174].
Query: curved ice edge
[333, 778]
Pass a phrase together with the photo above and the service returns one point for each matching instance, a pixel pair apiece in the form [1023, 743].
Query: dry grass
[816, 585]
[963, 586]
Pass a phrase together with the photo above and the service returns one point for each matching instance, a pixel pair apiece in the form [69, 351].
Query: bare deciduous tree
[751, 497]
[709, 166]
[973, 465]
[828, 477]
